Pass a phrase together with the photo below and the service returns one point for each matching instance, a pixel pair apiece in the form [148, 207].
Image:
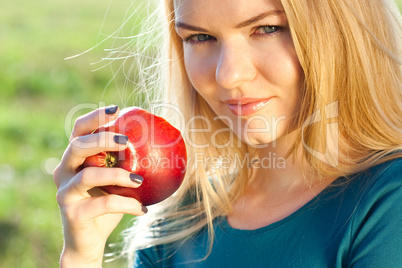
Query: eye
[268, 29]
[198, 38]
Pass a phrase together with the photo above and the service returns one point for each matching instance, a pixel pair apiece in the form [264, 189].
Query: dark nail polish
[144, 209]
[120, 139]
[111, 109]
[136, 178]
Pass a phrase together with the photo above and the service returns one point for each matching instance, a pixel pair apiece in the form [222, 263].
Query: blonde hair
[351, 57]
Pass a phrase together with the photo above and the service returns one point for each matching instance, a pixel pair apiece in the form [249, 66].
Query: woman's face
[240, 57]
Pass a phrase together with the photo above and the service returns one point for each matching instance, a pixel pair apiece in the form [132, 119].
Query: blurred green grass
[37, 90]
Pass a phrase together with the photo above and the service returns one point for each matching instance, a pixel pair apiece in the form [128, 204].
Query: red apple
[156, 151]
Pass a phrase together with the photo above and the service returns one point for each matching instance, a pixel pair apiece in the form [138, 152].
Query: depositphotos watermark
[330, 156]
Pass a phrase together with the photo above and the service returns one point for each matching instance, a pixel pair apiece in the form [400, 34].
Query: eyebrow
[246, 23]
[259, 17]
[189, 27]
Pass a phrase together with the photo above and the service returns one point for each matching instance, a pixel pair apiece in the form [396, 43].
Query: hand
[88, 214]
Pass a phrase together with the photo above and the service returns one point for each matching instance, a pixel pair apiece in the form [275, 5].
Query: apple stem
[110, 160]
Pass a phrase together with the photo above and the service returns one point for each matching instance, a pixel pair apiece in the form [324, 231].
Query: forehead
[222, 10]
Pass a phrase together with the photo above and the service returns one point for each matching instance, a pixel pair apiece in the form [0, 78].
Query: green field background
[38, 89]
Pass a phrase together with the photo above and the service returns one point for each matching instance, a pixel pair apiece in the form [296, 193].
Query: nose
[234, 67]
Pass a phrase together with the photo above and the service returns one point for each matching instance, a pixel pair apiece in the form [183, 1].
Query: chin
[258, 142]
[268, 139]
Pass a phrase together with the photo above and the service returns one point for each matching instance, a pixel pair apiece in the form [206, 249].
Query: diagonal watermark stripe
[331, 154]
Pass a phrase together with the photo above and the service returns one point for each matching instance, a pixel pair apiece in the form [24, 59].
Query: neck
[274, 171]
[274, 192]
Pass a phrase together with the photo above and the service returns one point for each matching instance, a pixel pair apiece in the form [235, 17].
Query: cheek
[200, 70]
[282, 68]
[294, 80]
[292, 65]
[285, 74]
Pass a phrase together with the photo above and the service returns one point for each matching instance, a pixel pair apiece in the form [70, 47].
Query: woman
[314, 86]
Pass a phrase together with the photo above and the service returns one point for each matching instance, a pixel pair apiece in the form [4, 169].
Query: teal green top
[352, 223]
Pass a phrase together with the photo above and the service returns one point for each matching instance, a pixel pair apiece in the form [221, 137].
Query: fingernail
[136, 178]
[144, 209]
[120, 139]
[111, 109]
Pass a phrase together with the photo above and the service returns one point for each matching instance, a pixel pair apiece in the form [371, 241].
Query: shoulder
[369, 185]
[376, 184]
[384, 176]
[378, 192]
[390, 167]
[148, 257]
[375, 232]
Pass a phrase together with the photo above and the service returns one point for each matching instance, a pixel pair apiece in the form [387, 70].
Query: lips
[246, 106]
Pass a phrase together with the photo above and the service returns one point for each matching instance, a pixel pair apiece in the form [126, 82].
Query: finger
[87, 123]
[81, 186]
[109, 204]
[88, 209]
[84, 146]
[92, 177]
